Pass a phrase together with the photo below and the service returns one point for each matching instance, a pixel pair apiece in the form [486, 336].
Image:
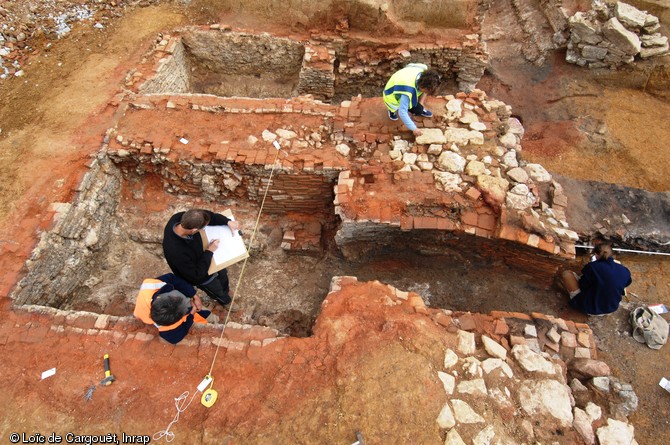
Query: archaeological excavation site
[401, 287]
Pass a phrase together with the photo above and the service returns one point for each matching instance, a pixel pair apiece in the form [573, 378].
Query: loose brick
[500, 327]
[467, 322]
[469, 218]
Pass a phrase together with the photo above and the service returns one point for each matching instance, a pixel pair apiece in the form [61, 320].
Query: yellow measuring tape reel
[209, 395]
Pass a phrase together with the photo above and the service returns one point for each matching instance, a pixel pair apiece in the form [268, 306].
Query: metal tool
[359, 439]
[109, 378]
[89, 393]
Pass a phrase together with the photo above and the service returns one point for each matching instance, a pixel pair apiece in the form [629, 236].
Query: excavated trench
[112, 238]
[236, 64]
[280, 288]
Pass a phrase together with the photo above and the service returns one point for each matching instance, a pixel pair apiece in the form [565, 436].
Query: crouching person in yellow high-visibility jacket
[170, 304]
[406, 91]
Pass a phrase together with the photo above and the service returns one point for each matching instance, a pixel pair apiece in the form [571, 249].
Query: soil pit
[257, 66]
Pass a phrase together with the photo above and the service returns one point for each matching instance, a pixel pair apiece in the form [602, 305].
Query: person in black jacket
[599, 289]
[183, 250]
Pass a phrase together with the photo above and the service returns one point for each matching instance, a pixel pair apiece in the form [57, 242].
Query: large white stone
[476, 387]
[435, 149]
[409, 158]
[448, 381]
[453, 438]
[515, 127]
[509, 140]
[485, 436]
[593, 410]
[517, 174]
[478, 126]
[451, 162]
[629, 15]
[424, 165]
[509, 159]
[501, 399]
[446, 417]
[401, 145]
[459, 136]
[547, 397]
[566, 234]
[450, 358]
[494, 188]
[626, 41]
[586, 30]
[286, 134]
[466, 342]
[532, 361]
[475, 137]
[582, 424]
[494, 348]
[343, 149]
[431, 136]
[472, 368]
[449, 182]
[454, 109]
[538, 173]
[464, 412]
[519, 202]
[475, 168]
[468, 117]
[491, 364]
[520, 189]
[268, 136]
[615, 433]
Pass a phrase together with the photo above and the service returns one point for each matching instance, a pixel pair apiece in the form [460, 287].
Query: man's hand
[196, 302]
[417, 132]
[213, 245]
[233, 225]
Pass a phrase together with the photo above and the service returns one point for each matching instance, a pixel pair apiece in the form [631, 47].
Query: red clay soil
[309, 391]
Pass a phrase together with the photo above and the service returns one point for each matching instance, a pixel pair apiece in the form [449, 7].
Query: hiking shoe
[426, 113]
[223, 300]
[394, 116]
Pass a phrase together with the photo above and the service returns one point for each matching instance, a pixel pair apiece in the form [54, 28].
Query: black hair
[603, 250]
[194, 219]
[169, 308]
[429, 80]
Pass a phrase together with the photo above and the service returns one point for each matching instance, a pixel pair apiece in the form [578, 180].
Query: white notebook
[231, 245]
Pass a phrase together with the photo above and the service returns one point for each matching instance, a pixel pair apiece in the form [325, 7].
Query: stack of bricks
[542, 333]
[33, 324]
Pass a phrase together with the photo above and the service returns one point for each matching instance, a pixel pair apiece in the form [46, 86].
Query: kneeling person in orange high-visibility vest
[170, 304]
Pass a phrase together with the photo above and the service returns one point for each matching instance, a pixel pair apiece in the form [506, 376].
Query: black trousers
[218, 289]
[416, 111]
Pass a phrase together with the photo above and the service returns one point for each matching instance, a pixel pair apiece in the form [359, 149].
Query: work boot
[225, 301]
[393, 115]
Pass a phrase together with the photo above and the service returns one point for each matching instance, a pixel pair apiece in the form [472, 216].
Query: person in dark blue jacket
[599, 289]
[171, 305]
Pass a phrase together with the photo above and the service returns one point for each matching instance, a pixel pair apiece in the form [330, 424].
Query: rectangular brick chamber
[331, 69]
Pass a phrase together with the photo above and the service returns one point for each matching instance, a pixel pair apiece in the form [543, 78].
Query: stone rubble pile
[25, 25]
[609, 36]
[472, 153]
[488, 388]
